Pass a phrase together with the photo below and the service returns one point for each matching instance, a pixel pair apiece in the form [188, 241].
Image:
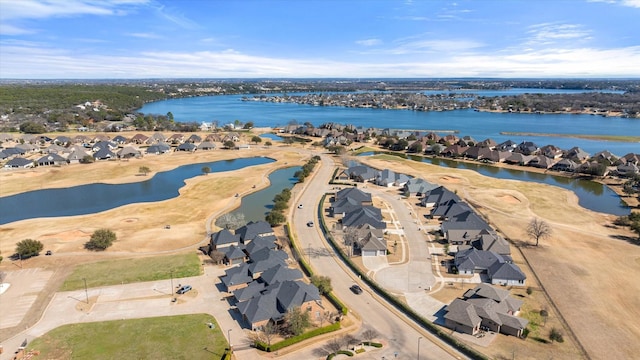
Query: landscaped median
[434, 329]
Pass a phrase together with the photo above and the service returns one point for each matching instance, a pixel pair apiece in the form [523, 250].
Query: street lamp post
[420, 338]
[229, 337]
[171, 290]
[86, 292]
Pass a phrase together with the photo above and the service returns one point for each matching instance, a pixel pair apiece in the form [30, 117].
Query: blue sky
[116, 39]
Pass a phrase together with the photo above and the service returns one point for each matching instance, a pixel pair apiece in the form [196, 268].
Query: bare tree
[370, 334]
[538, 229]
[334, 345]
[350, 236]
[325, 316]
[3, 275]
[231, 221]
[217, 256]
[269, 332]
[349, 339]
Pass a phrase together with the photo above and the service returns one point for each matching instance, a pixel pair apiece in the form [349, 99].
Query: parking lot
[25, 286]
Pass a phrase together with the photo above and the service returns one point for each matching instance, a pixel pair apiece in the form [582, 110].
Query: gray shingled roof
[252, 229]
[280, 273]
[463, 313]
[224, 237]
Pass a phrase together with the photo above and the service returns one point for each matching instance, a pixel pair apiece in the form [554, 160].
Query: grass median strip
[170, 337]
[113, 272]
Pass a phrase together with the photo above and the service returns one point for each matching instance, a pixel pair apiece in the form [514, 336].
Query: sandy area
[585, 268]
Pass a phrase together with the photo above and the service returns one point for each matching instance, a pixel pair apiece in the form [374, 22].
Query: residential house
[128, 152]
[206, 145]
[527, 148]
[364, 215]
[194, 138]
[51, 159]
[139, 139]
[507, 146]
[499, 268]
[236, 277]
[223, 238]
[176, 138]
[486, 307]
[253, 230]
[577, 155]
[370, 241]
[19, 163]
[417, 187]
[565, 165]
[273, 303]
[356, 194]
[104, 154]
[439, 195]
[541, 162]
[628, 170]
[187, 146]
[159, 148]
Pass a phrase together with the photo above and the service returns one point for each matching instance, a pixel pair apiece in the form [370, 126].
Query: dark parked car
[183, 289]
[310, 223]
[356, 289]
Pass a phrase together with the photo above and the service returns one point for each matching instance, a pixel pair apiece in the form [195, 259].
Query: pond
[93, 198]
[255, 206]
[591, 195]
[271, 136]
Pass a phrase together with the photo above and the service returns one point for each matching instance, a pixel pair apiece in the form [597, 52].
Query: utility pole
[420, 338]
[86, 292]
[171, 290]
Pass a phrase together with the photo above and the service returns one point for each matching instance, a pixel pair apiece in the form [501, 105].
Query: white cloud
[629, 3]
[369, 42]
[550, 33]
[145, 35]
[33, 61]
[16, 10]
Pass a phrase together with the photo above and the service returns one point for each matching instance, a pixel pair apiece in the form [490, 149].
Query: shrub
[100, 240]
[374, 344]
[296, 339]
[360, 351]
[529, 290]
[345, 352]
[556, 335]
[28, 248]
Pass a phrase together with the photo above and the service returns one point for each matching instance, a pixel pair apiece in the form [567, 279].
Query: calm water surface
[93, 198]
[255, 206]
[480, 125]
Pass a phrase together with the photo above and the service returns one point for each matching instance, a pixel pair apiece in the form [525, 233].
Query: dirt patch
[450, 180]
[509, 199]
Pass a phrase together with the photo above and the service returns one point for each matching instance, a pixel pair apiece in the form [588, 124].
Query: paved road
[402, 334]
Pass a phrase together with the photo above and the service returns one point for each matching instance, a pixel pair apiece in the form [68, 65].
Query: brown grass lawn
[589, 274]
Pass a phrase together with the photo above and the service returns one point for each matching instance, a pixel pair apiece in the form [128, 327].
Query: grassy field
[114, 272]
[171, 337]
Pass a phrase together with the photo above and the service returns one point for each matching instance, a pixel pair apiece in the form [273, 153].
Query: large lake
[93, 198]
[480, 125]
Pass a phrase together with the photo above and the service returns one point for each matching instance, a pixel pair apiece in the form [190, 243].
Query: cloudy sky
[89, 39]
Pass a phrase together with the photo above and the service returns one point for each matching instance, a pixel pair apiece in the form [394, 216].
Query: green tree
[206, 170]
[280, 205]
[30, 127]
[144, 170]
[555, 335]
[28, 248]
[248, 125]
[275, 218]
[296, 321]
[229, 144]
[256, 139]
[88, 159]
[538, 229]
[323, 283]
[170, 116]
[100, 240]
[268, 143]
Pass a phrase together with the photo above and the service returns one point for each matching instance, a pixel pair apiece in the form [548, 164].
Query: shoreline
[613, 183]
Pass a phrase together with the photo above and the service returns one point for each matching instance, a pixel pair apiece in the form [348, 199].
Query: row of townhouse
[480, 249]
[361, 222]
[64, 150]
[263, 287]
